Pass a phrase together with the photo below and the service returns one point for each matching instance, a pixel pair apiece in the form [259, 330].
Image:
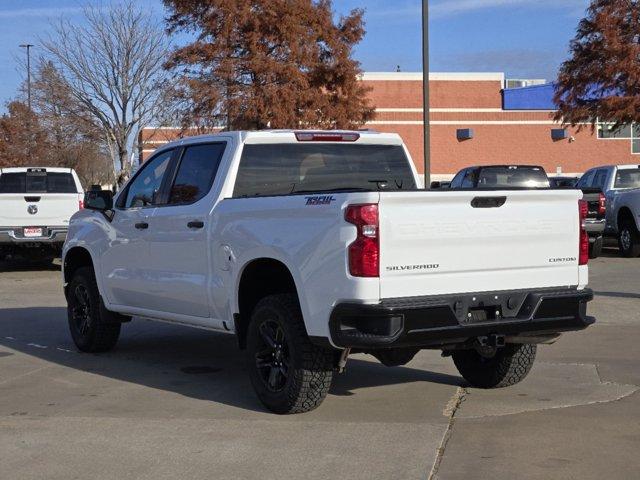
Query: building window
[608, 130]
[635, 140]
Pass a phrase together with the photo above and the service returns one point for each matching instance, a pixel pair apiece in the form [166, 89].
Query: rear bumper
[14, 236]
[594, 227]
[451, 319]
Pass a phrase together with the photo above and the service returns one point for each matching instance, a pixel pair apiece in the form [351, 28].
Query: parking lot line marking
[25, 374]
[9, 338]
[64, 350]
[37, 345]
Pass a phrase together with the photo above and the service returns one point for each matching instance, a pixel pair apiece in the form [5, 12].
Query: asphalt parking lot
[174, 402]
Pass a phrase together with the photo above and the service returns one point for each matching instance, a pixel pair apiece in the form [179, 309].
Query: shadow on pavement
[195, 363]
[610, 252]
[617, 294]
[19, 264]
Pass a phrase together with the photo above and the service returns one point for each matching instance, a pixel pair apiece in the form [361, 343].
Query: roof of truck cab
[24, 169]
[627, 167]
[538, 167]
[288, 136]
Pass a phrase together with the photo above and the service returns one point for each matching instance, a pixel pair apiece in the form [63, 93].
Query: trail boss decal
[320, 200]
[408, 268]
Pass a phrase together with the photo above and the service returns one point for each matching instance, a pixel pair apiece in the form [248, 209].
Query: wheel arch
[625, 213]
[75, 258]
[259, 278]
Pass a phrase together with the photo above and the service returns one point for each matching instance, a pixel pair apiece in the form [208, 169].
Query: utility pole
[425, 93]
[28, 47]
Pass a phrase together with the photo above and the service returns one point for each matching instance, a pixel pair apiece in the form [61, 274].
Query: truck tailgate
[435, 243]
[51, 209]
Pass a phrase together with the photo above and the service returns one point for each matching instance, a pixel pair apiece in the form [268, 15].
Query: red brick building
[475, 120]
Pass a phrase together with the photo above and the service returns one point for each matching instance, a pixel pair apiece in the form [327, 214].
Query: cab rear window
[627, 178]
[287, 169]
[37, 182]
[512, 177]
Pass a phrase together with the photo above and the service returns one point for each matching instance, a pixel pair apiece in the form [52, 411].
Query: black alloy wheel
[93, 327]
[81, 309]
[288, 372]
[272, 359]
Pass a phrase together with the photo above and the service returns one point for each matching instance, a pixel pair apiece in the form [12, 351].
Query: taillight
[80, 204]
[364, 252]
[602, 204]
[583, 209]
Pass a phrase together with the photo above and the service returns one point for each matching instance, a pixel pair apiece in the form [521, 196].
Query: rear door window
[585, 181]
[457, 180]
[285, 169]
[39, 181]
[469, 179]
[196, 172]
[600, 179]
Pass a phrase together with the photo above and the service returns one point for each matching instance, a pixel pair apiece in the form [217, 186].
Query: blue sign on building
[536, 97]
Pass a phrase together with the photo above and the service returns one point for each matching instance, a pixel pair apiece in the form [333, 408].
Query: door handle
[142, 225]
[488, 202]
[195, 224]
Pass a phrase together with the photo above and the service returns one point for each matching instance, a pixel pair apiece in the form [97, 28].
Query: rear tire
[93, 328]
[595, 248]
[287, 371]
[629, 240]
[510, 365]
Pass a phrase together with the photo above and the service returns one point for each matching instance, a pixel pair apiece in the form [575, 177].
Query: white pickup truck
[35, 207]
[313, 245]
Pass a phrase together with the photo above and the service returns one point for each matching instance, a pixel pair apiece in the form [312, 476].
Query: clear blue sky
[523, 38]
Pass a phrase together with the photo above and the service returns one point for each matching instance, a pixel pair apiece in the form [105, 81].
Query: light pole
[425, 93]
[28, 47]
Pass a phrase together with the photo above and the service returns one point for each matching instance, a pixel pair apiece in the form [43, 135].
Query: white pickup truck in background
[35, 207]
[313, 245]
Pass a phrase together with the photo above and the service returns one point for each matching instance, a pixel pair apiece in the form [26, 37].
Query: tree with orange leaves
[23, 140]
[601, 80]
[258, 64]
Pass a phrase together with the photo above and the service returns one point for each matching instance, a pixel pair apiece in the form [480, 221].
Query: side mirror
[435, 185]
[101, 200]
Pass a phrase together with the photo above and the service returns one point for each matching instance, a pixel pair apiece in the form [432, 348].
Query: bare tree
[112, 66]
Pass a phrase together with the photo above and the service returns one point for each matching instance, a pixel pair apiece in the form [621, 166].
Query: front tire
[510, 365]
[93, 328]
[287, 371]
[629, 240]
